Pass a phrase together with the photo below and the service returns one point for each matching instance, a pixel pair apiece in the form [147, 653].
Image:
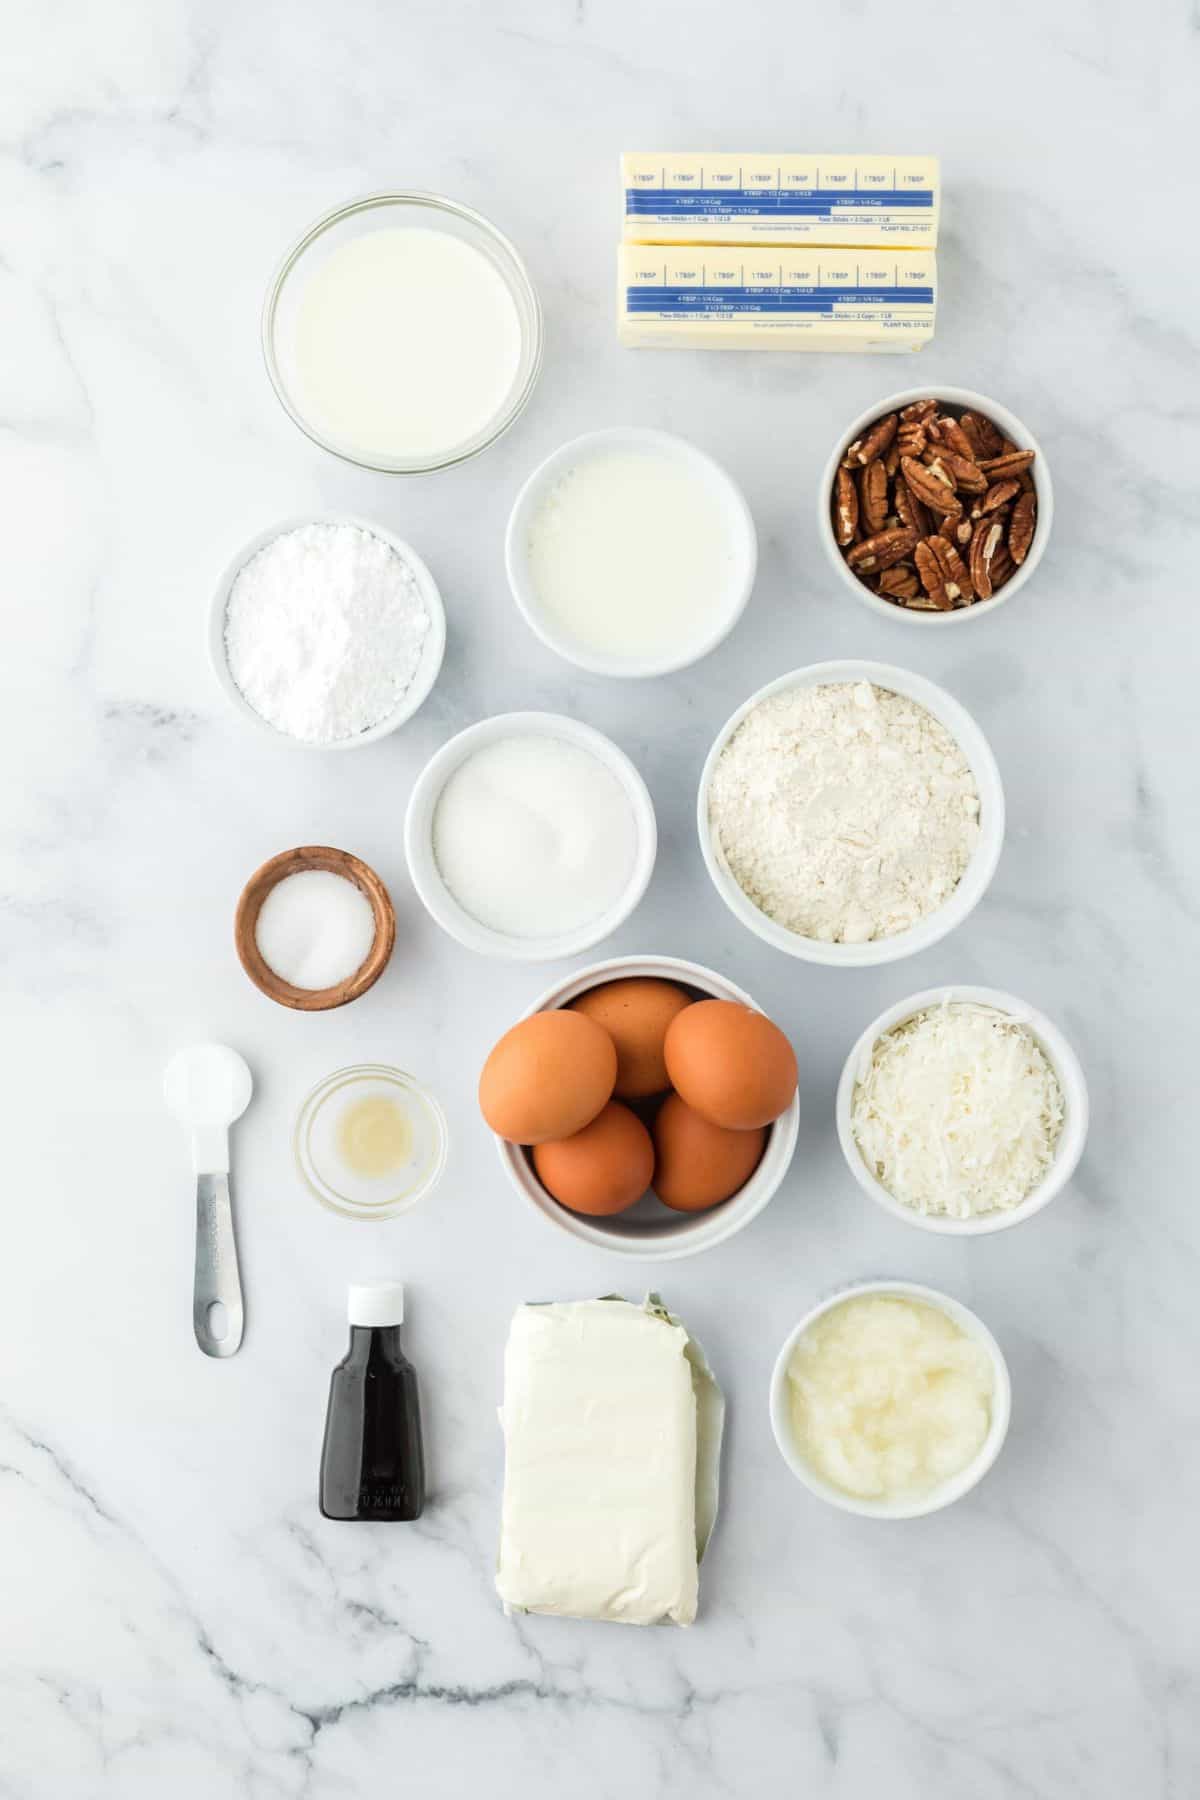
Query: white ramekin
[1062, 1060]
[979, 870]
[726, 495]
[404, 209]
[952, 1490]
[1013, 428]
[436, 897]
[651, 1232]
[417, 691]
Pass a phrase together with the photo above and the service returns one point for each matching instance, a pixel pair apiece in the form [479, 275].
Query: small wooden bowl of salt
[314, 928]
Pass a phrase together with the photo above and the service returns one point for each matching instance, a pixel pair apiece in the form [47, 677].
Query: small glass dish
[325, 1170]
[370, 213]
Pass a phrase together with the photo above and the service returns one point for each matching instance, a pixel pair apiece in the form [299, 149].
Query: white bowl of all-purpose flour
[328, 633]
[851, 813]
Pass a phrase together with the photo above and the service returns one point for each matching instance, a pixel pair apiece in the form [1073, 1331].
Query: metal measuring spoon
[207, 1087]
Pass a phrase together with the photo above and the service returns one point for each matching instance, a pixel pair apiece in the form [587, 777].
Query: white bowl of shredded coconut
[851, 813]
[327, 632]
[962, 1110]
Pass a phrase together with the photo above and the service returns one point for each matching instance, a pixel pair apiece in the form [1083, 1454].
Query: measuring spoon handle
[217, 1277]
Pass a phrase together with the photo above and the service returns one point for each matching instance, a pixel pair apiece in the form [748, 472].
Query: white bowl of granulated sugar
[328, 632]
[851, 813]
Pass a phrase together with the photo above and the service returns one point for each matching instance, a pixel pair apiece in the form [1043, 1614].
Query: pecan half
[865, 450]
[920, 409]
[873, 496]
[881, 551]
[1003, 566]
[845, 508]
[998, 496]
[989, 535]
[891, 458]
[951, 434]
[899, 582]
[910, 439]
[1020, 527]
[956, 528]
[969, 478]
[909, 509]
[944, 575]
[982, 435]
[932, 579]
[958, 576]
[1013, 462]
[930, 488]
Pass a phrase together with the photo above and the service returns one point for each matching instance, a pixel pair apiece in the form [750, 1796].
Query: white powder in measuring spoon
[324, 630]
[315, 929]
[534, 836]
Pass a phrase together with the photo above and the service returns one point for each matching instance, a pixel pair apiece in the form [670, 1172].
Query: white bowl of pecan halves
[935, 507]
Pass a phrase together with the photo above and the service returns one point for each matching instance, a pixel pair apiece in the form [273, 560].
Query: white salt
[315, 929]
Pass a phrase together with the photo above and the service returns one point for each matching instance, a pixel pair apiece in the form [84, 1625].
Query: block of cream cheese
[701, 198]
[612, 1428]
[751, 298]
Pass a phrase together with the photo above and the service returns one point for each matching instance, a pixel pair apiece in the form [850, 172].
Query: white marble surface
[175, 1617]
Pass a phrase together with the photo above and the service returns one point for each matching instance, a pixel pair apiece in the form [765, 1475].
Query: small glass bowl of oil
[370, 1141]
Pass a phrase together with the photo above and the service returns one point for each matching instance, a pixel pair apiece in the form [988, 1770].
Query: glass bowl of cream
[890, 1400]
[370, 1141]
[402, 332]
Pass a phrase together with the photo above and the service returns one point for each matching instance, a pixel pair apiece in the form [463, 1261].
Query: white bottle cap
[376, 1303]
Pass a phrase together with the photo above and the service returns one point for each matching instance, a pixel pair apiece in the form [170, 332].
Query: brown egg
[635, 1014]
[731, 1064]
[697, 1164]
[602, 1169]
[547, 1077]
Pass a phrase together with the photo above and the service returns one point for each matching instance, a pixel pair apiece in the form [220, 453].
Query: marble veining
[175, 1616]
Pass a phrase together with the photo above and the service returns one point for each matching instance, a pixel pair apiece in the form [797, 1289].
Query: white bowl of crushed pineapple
[890, 1400]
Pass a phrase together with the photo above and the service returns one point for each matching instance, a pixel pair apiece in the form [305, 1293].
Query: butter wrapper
[703, 298]
[796, 201]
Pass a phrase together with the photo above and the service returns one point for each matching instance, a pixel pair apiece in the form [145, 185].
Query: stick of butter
[842, 201]
[612, 1428]
[753, 298]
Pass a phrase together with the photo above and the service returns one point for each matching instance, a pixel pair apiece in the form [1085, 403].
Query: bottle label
[382, 1494]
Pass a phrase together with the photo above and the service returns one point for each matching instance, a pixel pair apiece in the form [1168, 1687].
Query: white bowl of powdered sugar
[327, 632]
[851, 813]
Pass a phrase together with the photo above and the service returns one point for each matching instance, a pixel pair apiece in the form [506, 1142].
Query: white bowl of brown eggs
[645, 1106]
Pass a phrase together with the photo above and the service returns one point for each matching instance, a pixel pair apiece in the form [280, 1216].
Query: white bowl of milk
[630, 552]
[403, 333]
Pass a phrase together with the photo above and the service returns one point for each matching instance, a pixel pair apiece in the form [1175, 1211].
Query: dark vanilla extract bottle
[372, 1461]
